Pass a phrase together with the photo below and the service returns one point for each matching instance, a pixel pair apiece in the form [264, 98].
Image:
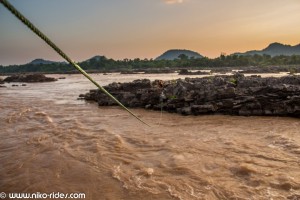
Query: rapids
[52, 142]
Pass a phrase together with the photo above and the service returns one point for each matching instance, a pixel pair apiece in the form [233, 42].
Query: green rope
[25, 21]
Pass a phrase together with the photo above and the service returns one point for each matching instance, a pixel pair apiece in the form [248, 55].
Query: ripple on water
[51, 146]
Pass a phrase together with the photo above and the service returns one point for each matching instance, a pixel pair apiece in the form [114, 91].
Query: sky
[121, 29]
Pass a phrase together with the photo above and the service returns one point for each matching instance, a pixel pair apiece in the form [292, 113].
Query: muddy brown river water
[51, 142]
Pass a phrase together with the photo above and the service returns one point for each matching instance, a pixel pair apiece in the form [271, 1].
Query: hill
[175, 53]
[275, 49]
[96, 59]
[40, 61]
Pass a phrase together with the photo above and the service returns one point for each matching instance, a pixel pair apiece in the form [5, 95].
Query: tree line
[103, 64]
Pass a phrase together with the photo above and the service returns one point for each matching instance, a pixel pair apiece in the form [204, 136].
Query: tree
[183, 57]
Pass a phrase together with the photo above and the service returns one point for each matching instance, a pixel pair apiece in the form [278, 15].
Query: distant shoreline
[292, 69]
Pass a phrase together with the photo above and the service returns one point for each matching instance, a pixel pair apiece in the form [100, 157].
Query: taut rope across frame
[25, 21]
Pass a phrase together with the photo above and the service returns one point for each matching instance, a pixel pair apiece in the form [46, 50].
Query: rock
[136, 84]
[196, 96]
[186, 111]
[226, 92]
[187, 72]
[222, 70]
[1, 81]
[29, 78]
[201, 109]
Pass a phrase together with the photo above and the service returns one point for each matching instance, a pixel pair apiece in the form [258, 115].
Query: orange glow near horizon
[146, 29]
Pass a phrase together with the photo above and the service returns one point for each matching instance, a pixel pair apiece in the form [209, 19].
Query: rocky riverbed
[257, 69]
[234, 95]
[1, 82]
[29, 78]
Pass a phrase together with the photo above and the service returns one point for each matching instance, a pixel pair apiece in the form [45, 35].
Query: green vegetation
[292, 70]
[103, 64]
[233, 81]
[172, 97]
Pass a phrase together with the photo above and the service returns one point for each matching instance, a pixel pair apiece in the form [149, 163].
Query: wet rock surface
[148, 71]
[257, 69]
[29, 78]
[234, 95]
[2, 83]
[188, 72]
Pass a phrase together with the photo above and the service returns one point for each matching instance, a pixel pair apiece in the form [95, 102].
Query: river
[52, 142]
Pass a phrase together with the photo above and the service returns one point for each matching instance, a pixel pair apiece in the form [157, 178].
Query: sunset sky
[122, 29]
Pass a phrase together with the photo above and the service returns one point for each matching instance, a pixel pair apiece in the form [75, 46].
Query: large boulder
[29, 78]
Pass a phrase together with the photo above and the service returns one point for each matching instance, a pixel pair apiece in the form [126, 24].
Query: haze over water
[52, 142]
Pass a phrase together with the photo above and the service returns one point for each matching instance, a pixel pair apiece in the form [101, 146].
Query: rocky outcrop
[188, 72]
[1, 83]
[149, 71]
[267, 69]
[234, 95]
[29, 78]
[257, 69]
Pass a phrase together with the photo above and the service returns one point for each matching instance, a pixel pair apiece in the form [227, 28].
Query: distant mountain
[275, 49]
[174, 53]
[41, 61]
[96, 58]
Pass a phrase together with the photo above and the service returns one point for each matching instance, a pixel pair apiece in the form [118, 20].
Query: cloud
[173, 1]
